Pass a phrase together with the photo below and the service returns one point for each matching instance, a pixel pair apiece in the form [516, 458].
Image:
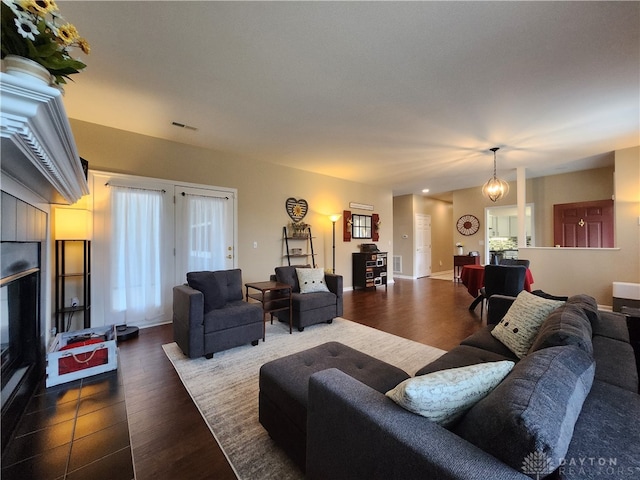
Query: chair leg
[476, 301]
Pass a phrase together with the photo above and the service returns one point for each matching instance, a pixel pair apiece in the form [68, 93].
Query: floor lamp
[334, 218]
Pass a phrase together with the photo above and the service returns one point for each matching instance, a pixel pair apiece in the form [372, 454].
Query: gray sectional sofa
[568, 409]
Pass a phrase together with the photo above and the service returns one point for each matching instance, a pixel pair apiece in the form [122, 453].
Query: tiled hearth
[76, 430]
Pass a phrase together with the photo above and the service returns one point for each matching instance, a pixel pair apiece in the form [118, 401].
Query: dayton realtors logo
[538, 465]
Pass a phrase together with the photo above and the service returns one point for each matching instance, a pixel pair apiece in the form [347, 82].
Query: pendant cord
[494, 150]
[494, 164]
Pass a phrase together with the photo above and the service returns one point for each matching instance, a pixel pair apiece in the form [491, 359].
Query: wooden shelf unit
[308, 252]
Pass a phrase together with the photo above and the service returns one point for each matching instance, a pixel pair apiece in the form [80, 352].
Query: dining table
[472, 277]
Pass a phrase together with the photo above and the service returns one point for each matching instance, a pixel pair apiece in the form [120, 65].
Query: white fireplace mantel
[38, 148]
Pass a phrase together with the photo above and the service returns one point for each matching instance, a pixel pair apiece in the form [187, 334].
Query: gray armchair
[210, 315]
[311, 308]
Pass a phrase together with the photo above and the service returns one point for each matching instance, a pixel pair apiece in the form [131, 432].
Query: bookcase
[303, 251]
[369, 269]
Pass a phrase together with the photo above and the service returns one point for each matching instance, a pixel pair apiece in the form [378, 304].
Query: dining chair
[514, 261]
[502, 280]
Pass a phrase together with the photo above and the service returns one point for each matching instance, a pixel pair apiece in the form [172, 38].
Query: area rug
[225, 388]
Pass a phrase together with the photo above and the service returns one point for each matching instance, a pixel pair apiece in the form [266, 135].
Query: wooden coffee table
[274, 296]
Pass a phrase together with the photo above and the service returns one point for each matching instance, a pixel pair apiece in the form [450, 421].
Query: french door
[145, 241]
[205, 230]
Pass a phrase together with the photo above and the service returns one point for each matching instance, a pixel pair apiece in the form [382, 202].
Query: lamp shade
[335, 217]
[72, 224]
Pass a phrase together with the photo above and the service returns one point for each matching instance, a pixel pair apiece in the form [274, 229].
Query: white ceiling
[405, 95]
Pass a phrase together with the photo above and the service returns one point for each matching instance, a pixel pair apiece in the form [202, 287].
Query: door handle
[581, 222]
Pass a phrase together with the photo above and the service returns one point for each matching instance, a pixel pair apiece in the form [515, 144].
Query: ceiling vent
[182, 125]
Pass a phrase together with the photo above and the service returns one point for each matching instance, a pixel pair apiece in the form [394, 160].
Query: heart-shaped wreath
[296, 209]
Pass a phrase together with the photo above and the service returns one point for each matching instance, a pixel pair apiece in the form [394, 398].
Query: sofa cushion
[290, 276]
[534, 410]
[611, 325]
[484, 340]
[230, 282]
[588, 304]
[549, 296]
[207, 283]
[235, 314]
[444, 396]
[615, 363]
[461, 356]
[520, 325]
[303, 302]
[567, 325]
[311, 280]
[607, 432]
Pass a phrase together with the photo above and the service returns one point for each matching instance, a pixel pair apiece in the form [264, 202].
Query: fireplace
[22, 353]
[40, 165]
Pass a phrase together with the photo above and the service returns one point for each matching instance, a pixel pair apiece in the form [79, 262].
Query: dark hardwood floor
[168, 436]
[68, 432]
[434, 312]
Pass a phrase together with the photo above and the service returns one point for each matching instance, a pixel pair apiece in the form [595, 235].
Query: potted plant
[33, 30]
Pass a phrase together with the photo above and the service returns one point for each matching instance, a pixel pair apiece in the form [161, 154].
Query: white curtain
[206, 237]
[136, 267]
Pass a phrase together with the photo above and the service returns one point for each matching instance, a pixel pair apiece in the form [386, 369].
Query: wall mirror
[361, 226]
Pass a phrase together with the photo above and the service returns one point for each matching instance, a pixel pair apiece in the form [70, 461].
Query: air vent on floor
[397, 264]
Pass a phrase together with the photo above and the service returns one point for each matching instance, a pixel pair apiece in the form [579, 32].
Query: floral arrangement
[35, 30]
[459, 245]
[299, 229]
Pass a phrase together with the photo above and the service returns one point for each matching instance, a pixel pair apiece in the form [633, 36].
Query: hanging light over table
[495, 188]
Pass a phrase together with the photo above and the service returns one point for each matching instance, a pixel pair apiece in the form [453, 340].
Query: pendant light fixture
[495, 188]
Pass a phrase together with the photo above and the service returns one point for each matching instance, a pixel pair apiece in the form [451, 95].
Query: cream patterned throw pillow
[446, 395]
[520, 325]
[311, 280]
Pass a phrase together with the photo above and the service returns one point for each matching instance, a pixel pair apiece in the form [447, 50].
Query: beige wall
[571, 270]
[442, 249]
[584, 186]
[471, 201]
[404, 208]
[262, 191]
[543, 193]
[403, 225]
